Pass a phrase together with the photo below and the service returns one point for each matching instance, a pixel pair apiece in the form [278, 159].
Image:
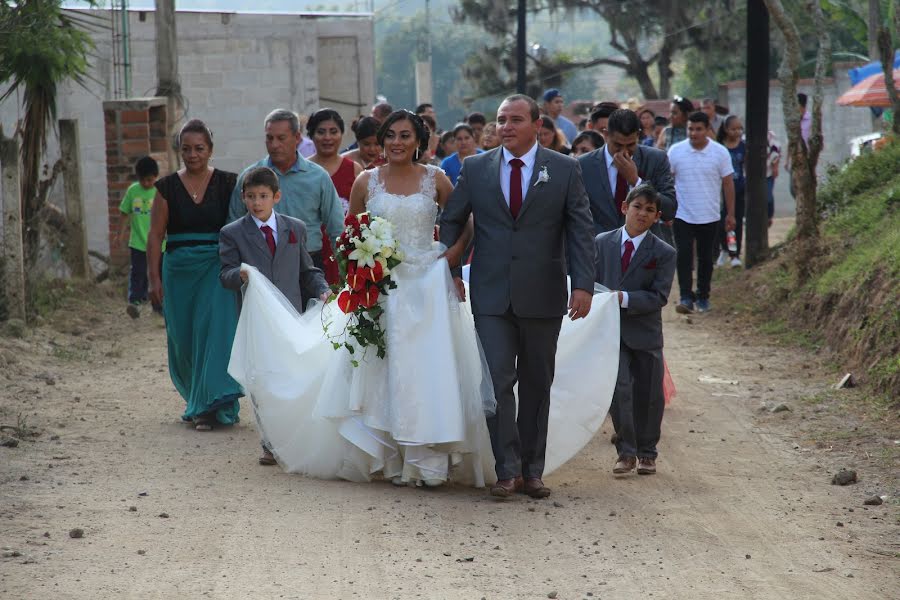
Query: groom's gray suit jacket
[522, 263]
[653, 168]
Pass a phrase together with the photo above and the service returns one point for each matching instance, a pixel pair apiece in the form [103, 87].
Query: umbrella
[871, 91]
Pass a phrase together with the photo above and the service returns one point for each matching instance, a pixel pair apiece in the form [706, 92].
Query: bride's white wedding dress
[419, 413]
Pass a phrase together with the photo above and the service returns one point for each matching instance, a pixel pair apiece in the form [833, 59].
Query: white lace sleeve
[374, 184]
[429, 186]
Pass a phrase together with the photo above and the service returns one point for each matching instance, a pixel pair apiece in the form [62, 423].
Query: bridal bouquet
[366, 253]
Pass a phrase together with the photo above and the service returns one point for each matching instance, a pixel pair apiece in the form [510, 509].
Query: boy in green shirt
[136, 205]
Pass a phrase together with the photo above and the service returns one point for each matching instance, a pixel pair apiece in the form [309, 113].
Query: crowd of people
[679, 178]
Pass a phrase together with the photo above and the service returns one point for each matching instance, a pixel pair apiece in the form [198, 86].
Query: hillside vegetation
[850, 307]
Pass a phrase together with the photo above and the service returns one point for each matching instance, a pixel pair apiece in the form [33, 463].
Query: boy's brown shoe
[646, 466]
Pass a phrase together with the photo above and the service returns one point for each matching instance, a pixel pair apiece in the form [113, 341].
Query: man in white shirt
[703, 171]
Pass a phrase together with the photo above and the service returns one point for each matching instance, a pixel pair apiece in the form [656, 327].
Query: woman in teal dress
[191, 207]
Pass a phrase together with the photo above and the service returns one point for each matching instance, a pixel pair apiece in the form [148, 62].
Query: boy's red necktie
[270, 238]
[626, 256]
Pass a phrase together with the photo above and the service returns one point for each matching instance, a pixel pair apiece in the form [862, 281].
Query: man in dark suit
[610, 172]
[531, 217]
[640, 266]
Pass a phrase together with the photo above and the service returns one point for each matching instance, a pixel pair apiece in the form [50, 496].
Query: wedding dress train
[419, 413]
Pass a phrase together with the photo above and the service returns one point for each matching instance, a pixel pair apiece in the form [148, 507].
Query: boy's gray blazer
[648, 281]
[523, 262]
[291, 269]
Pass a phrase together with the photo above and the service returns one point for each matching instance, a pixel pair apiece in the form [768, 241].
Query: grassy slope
[851, 305]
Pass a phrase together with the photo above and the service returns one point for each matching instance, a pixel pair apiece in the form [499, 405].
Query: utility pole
[521, 78]
[168, 83]
[757, 100]
[424, 92]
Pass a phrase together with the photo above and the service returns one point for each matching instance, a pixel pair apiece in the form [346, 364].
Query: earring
[417, 154]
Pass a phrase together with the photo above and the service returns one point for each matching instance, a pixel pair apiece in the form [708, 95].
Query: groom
[531, 218]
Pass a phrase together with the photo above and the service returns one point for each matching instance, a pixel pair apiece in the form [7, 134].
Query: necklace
[191, 192]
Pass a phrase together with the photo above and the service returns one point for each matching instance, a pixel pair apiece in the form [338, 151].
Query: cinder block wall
[234, 69]
[840, 124]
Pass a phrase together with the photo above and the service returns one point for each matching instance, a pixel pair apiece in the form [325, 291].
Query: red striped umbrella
[871, 91]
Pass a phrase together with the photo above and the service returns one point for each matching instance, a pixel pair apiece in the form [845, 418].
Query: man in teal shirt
[307, 192]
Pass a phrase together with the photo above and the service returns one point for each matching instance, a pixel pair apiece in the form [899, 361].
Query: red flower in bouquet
[355, 278]
[348, 301]
[369, 297]
[366, 253]
[373, 274]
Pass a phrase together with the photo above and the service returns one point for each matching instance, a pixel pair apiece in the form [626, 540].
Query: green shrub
[844, 183]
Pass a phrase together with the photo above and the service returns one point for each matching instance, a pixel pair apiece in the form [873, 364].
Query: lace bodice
[412, 216]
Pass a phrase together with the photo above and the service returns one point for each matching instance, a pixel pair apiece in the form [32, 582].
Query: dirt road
[736, 510]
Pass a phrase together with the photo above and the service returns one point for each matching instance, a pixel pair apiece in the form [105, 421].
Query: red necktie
[270, 238]
[621, 191]
[515, 187]
[626, 256]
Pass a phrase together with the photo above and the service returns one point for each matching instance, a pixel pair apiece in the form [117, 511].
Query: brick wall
[133, 128]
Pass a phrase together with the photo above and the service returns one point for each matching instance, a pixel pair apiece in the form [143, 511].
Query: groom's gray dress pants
[519, 350]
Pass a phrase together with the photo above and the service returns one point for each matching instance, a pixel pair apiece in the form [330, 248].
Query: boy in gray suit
[273, 243]
[640, 266]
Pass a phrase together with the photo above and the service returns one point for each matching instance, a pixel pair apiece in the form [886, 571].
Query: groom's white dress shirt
[527, 170]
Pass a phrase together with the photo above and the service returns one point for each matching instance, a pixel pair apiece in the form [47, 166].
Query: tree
[645, 33]
[41, 46]
[886, 44]
[804, 156]
[395, 65]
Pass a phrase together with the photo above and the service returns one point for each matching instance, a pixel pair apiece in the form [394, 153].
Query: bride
[420, 411]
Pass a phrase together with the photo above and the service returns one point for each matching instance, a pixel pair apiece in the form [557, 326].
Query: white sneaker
[736, 262]
[723, 256]
[432, 483]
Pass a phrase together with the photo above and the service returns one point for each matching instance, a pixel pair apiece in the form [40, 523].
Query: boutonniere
[650, 265]
[543, 176]
[292, 239]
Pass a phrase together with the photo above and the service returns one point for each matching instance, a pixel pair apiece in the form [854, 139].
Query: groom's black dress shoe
[504, 488]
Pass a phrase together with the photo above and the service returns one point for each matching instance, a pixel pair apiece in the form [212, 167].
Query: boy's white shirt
[637, 242]
[272, 222]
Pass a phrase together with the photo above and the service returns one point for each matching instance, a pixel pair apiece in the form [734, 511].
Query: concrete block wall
[839, 124]
[133, 128]
[234, 69]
